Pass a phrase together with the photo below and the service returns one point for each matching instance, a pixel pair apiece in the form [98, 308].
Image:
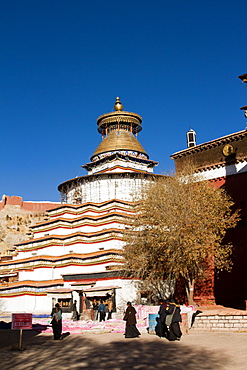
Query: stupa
[74, 254]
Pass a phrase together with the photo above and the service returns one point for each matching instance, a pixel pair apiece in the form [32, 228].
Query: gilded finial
[118, 105]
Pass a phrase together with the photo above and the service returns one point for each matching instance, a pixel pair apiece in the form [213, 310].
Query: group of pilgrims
[168, 323]
[169, 320]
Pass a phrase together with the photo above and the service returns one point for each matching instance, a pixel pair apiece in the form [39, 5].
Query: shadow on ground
[81, 352]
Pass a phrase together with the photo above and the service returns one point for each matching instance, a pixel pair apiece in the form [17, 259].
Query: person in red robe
[131, 330]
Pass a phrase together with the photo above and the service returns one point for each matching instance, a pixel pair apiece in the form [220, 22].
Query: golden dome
[119, 140]
[118, 130]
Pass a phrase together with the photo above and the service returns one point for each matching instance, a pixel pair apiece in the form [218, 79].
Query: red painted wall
[29, 206]
[231, 288]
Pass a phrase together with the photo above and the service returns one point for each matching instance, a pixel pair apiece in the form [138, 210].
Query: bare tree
[177, 231]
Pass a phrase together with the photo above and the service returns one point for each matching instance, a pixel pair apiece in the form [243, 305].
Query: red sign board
[21, 321]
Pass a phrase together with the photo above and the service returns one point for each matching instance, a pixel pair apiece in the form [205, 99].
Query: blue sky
[63, 62]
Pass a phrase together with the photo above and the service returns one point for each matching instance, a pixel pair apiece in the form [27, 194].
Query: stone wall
[233, 323]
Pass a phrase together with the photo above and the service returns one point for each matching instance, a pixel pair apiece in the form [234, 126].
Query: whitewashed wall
[127, 293]
[27, 304]
[104, 189]
[40, 274]
[66, 249]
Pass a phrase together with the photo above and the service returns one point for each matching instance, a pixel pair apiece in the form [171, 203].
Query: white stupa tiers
[75, 253]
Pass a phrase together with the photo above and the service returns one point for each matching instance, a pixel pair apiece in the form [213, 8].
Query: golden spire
[118, 105]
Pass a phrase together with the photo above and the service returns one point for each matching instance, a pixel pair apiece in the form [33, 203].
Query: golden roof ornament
[118, 105]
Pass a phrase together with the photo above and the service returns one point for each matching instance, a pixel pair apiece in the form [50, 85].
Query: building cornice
[82, 256]
[94, 276]
[75, 225]
[112, 232]
[64, 261]
[211, 144]
[89, 206]
[117, 155]
[32, 283]
[218, 165]
[82, 221]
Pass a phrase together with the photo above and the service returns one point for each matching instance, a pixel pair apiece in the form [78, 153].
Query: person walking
[131, 330]
[56, 322]
[175, 318]
[163, 332]
[101, 310]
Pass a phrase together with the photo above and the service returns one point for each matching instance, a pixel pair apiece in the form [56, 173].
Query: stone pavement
[211, 351]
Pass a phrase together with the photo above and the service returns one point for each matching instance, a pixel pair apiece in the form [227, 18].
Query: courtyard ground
[112, 351]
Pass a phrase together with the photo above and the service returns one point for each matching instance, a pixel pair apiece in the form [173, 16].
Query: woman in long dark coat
[174, 328]
[131, 330]
[163, 332]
